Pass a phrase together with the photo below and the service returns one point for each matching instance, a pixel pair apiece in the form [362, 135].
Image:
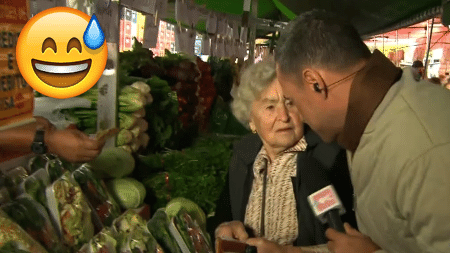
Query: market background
[172, 67]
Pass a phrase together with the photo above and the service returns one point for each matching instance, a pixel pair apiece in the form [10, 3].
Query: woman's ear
[252, 126]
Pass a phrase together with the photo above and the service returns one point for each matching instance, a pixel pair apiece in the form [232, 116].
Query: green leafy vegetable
[197, 173]
[124, 137]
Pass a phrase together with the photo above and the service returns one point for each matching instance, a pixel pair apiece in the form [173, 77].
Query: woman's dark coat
[328, 159]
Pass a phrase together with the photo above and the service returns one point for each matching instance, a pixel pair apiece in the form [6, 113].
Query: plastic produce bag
[159, 227]
[11, 234]
[95, 191]
[71, 211]
[34, 219]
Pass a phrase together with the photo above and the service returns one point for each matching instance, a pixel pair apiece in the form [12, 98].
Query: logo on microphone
[324, 200]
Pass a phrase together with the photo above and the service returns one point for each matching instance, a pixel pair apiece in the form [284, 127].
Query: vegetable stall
[156, 182]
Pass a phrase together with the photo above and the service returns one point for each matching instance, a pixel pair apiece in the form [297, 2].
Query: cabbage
[113, 163]
[128, 192]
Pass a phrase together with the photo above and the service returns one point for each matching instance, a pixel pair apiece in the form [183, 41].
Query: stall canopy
[369, 17]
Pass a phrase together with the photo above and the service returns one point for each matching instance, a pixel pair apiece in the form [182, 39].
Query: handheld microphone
[327, 207]
[322, 197]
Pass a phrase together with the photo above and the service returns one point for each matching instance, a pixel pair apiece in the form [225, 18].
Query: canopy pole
[430, 34]
[396, 50]
[252, 37]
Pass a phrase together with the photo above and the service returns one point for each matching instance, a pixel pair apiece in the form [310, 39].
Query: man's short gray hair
[319, 39]
[254, 80]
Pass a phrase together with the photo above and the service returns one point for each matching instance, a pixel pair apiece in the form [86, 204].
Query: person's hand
[266, 246]
[232, 230]
[72, 145]
[351, 242]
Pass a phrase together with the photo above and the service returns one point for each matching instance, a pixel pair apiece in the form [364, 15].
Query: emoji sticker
[61, 52]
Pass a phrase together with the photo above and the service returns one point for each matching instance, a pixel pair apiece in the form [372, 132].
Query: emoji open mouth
[61, 75]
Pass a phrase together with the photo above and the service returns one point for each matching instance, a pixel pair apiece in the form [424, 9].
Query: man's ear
[313, 81]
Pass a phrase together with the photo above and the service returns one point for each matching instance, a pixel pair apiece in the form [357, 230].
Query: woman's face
[275, 118]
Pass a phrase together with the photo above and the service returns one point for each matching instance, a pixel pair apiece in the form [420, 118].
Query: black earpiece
[317, 88]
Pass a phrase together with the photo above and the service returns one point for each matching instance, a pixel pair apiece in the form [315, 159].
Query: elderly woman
[266, 196]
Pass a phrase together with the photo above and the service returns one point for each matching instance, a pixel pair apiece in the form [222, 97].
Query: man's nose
[283, 114]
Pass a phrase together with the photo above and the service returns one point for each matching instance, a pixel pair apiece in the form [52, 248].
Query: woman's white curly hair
[254, 79]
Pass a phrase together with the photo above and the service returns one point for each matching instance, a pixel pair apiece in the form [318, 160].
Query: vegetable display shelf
[64, 207]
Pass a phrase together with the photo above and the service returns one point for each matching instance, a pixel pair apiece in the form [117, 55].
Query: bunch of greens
[162, 116]
[223, 121]
[223, 72]
[85, 118]
[138, 62]
[197, 173]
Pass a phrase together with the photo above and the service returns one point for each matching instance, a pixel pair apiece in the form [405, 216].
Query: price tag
[109, 22]
[235, 31]
[220, 48]
[107, 94]
[206, 45]
[190, 44]
[145, 6]
[150, 32]
[161, 8]
[194, 15]
[228, 48]
[244, 35]
[180, 39]
[37, 6]
[211, 23]
[222, 27]
[214, 46]
[181, 12]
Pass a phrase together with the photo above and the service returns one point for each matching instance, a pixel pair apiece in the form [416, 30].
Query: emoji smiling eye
[74, 43]
[49, 43]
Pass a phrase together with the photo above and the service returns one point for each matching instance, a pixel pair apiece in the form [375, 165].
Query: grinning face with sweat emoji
[61, 52]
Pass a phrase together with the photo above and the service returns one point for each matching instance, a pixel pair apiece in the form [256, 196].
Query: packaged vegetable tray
[95, 191]
[71, 211]
[14, 238]
[35, 185]
[38, 162]
[133, 235]
[55, 168]
[34, 219]
[103, 242]
[188, 234]
[159, 227]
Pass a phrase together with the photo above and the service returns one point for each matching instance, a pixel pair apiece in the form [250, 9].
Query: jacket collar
[367, 91]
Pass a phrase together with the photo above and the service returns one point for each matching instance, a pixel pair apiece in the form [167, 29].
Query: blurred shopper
[418, 70]
[435, 80]
[398, 146]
